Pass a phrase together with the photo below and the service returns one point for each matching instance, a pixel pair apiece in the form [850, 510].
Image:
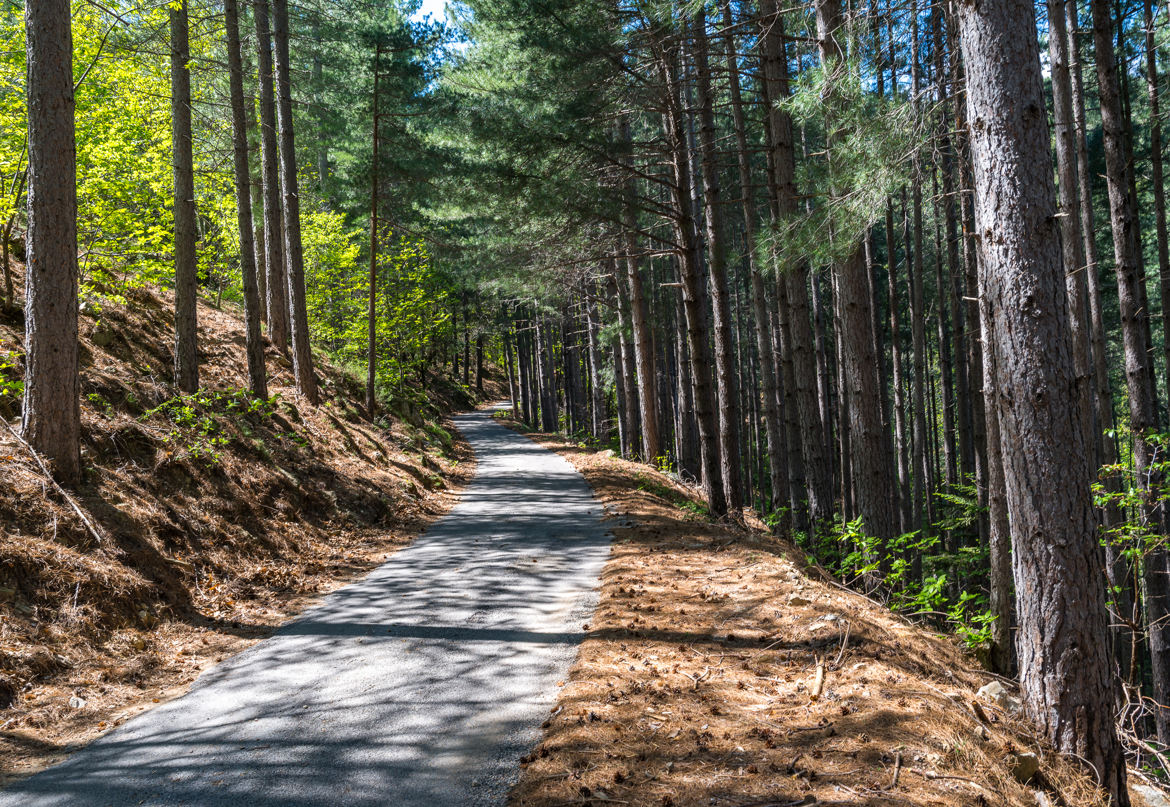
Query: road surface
[421, 684]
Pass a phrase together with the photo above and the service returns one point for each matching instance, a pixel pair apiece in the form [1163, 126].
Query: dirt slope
[697, 684]
[215, 520]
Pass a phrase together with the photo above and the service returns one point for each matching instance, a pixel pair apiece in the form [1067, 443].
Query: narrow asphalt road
[422, 684]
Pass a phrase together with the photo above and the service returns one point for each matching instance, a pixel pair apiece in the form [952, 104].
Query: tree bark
[869, 449]
[725, 374]
[51, 419]
[372, 285]
[1135, 332]
[186, 277]
[643, 339]
[917, 314]
[1065, 666]
[302, 354]
[693, 291]
[1156, 178]
[254, 343]
[777, 473]
[276, 300]
[813, 440]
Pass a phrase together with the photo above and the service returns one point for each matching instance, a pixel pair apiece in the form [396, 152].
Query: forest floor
[212, 524]
[697, 682]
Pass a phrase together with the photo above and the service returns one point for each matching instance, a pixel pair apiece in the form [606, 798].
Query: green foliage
[198, 420]
[1135, 498]
[890, 570]
[412, 311]
[872, 143]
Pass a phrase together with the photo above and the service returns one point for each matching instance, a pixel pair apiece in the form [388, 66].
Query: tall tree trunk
[479, 363]
[1106, 447]
[186, 277]
[686, 429]
[508, 364]
[1156, 178]
[945, 369]
[868, 436]
[777, 473]
[255, 178]
[964, 410]
[276, 301]
[725, 374]
[693, 291]
[1003, 653]
[1135, 332]
[917, 313]
[640, 321]
[51, 419]
[372, 285]
[257, 374]
[302, 354]
[466, 344]
[597, 394]
[1065, 666]
[522, 368]
[813, 440]
[1072, 247]
[901, 448]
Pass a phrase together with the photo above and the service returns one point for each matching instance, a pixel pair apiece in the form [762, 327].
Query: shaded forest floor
[216, 520]
[695, 685]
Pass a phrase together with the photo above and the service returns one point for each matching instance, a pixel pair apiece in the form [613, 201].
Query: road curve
[422, 684]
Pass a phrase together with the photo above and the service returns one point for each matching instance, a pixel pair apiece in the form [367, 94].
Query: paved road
[420, 685]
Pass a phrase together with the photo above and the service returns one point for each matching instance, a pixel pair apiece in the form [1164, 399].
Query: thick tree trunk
[51, 420]
[254, 344]
[186, 277]
[302, 354]
[1135, 332]
[1065, 666]
[276, 299]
